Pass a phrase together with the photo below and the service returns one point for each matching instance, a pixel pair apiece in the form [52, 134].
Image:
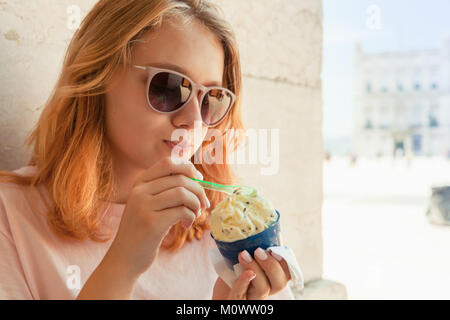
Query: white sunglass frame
[152, 71]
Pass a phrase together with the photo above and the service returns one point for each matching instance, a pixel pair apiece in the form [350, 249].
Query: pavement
[376, 237]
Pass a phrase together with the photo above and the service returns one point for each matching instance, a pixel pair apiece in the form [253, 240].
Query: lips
[179, 144]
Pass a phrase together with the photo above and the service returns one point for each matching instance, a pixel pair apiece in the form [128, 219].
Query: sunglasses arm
[140, 67]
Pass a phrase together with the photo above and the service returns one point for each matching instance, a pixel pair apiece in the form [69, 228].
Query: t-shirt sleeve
[13, 285]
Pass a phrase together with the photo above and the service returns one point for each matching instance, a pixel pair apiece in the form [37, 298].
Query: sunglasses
[169, 91]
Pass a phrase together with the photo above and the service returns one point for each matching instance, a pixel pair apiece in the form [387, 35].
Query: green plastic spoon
[249, 191]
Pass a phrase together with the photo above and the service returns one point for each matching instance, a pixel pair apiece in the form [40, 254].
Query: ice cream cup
[267, 238]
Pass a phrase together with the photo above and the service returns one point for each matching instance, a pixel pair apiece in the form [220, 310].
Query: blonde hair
[69, 145]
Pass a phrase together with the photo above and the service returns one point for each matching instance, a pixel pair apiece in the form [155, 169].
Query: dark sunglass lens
[215, 105]
[168, 91]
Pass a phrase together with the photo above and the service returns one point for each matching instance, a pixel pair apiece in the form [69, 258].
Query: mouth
[182, 145]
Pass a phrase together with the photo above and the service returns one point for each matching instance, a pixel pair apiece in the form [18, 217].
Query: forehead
[189, 48]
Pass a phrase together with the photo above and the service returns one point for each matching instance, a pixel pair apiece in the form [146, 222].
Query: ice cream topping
[241, 216]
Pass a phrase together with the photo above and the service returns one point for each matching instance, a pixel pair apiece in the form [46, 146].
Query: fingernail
[246, 256]
[208, 203]
[260, 254]
[253, 276]
[199, 175]
[276, 256]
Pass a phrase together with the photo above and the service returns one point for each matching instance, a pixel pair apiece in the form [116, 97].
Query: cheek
[123, 115]
[204, 133]
[202, 138]
[131, 126]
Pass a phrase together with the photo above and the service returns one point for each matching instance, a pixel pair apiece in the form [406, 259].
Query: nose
[191, 112]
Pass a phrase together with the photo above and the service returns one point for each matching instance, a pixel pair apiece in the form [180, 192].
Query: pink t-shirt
[36, 264]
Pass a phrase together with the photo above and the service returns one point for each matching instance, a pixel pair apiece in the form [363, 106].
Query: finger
[178, 196]
[166, 167]
[273, 270]
[260, 287]
[165, 183]
[174, 215]
[239, 289]
[283, 264]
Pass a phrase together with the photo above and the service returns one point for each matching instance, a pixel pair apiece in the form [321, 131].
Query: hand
[239, 289]
[266, 275]
[162, 196]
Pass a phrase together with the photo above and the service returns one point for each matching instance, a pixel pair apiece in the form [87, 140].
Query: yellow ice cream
[241, 216]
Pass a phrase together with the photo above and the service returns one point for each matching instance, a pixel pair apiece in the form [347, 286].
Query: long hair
[68, 143]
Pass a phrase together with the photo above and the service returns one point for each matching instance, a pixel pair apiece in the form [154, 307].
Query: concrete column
[281, 55]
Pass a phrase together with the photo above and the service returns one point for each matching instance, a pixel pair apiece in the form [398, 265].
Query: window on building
[432, 121]
[400, 87]
[416, 78]
[368, 87]
[434, 77]
[368, 124]
[433, 116]
[416, 116]
[417, 143]
[400, 118]
[385, 117]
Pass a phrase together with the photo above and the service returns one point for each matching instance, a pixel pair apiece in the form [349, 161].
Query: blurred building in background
[402, 102]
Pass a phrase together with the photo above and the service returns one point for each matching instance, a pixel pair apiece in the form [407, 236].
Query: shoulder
[16, 200]
[26, 171]
[8, 188]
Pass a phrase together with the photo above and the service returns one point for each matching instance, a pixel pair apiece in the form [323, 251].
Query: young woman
[102, 211]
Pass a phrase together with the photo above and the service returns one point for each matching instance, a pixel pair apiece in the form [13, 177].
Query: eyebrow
[180, 70]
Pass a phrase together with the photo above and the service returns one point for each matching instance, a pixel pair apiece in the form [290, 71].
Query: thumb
[239, 289]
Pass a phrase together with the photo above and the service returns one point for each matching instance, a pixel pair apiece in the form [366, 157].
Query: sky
[380, 26]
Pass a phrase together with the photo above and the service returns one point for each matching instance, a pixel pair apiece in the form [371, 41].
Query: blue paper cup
[267, 238]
